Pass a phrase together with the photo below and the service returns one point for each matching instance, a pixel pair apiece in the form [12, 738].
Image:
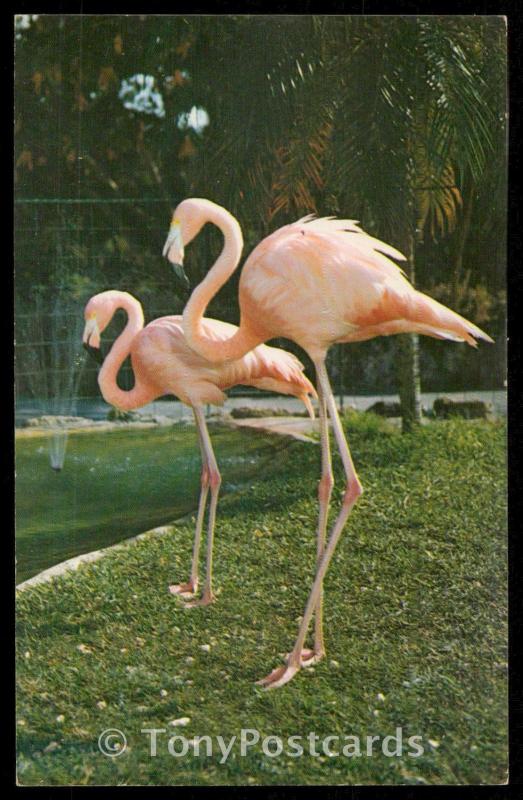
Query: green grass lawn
[415, 619]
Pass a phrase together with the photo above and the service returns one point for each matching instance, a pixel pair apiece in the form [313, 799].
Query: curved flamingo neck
[138, 395]
[242, 341]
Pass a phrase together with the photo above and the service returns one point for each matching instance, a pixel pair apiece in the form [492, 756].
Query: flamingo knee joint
[215, 479]
[353, 491]
[325, 487]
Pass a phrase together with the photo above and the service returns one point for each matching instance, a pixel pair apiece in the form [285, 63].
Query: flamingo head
[97, 314]
[187, 221]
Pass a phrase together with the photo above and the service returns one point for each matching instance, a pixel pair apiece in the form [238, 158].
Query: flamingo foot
[205, 600]
[279, 676]
[282, 675]
[185, 590]
[308, 657]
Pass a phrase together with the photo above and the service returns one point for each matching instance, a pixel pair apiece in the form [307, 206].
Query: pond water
[118, 484]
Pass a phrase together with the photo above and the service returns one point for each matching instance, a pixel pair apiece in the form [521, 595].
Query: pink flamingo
[317, 282]
[163, 363]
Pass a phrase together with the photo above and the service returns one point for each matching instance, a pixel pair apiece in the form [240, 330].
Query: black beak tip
[181, 277]
[94, 352]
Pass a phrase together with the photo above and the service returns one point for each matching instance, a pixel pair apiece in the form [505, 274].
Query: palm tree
[394, 118]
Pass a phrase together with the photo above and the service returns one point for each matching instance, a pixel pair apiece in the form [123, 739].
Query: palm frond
[299, 171]
[463, 118]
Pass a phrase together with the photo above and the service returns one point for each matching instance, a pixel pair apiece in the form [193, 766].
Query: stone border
[98, 427]
[281, 425]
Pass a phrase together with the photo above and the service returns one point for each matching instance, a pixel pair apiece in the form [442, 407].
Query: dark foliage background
[396, 121]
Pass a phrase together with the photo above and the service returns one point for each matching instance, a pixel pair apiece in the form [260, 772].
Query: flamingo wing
[342, 239]
[358, 290]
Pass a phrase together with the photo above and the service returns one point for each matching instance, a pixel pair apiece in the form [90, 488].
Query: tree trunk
[409, 375]
[409, 378]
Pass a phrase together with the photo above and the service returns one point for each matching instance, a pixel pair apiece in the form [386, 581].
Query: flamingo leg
[324, 493]
[282, 675]
[308, 656]
[189, 589]
[215, 480]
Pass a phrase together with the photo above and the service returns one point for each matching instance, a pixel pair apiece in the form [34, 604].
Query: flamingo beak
[94, 352]
[91, 332]
[173, 247]
[91, 339]
[168, 243]
[173, 250]
[181, 278]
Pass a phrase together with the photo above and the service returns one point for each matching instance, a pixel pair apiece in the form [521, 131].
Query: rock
[248, 412]
[181, 722]
[444, 408]
[59, 421]
[116, 415]
[385, 409]
[389, 408]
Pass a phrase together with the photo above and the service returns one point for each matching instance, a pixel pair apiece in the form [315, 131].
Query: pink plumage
[359, 292]
[317, 282]
[163, 363]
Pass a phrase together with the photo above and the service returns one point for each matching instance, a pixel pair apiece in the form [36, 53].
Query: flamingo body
[347, 279]
[163, 363]
[162, 359]
[317, 282]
